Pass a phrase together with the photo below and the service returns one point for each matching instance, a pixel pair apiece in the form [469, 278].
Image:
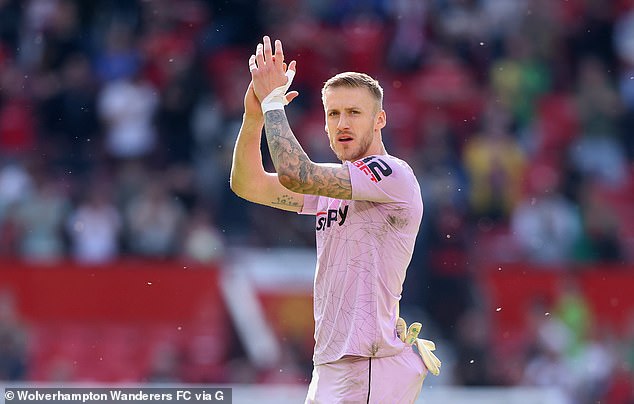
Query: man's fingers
[252, 64]
[292, 66]
[268, 52]
[291, 96]
[279, 53]
[264, 54]
[259, 55]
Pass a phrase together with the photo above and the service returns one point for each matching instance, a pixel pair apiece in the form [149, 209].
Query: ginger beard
[352, 150]
[353, 122]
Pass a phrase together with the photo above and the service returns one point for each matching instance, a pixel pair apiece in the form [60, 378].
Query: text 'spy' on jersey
[364, 247]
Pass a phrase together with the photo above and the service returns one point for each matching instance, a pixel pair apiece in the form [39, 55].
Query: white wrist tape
[277, 98]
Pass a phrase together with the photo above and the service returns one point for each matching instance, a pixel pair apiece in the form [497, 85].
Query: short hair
[355, 80]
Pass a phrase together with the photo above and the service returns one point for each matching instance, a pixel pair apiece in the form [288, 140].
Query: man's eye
[332, 113]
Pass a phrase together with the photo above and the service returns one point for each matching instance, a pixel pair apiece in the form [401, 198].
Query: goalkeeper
[367, 209]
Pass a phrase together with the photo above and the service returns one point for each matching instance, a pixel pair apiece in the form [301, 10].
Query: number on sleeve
[379, 168]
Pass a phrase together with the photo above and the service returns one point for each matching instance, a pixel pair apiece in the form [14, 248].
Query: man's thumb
[290, 96]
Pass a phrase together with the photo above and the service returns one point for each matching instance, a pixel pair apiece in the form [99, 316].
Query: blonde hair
[355, 80]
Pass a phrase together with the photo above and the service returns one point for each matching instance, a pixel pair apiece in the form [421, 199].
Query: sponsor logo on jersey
[327, 218]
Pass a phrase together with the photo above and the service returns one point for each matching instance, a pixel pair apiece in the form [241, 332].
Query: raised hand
[268, 70]
[252, 107]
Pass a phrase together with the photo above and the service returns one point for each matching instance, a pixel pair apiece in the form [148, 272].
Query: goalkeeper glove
[424, 347]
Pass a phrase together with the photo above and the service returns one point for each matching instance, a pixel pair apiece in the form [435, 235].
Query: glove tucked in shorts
[355, 379]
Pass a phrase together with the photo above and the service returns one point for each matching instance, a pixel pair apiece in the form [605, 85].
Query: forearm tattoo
[295, 168]
[286, 200]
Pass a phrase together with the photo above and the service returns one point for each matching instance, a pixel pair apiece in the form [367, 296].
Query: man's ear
[381, 120]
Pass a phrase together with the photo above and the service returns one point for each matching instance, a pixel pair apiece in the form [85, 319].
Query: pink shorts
[354, 379]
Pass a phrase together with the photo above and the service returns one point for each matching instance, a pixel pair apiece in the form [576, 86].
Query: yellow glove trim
[401, 328]
[431, 361]
[424, 347]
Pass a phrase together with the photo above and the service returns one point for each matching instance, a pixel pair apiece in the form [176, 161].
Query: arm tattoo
[295, 168]
[286, 200]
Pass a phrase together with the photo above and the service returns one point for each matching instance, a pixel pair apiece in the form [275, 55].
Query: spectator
[446, 85]
[40, 221]
[202, 242]
[597, 152]
[545, 225]
[623, 40]
[68, 116]
[154, 221]
[17, 130]
[407, 47]
[16, 186]
[13, 353]
[94, 228]
[573, 311]
[519, 78]
[495, 165]
[449, 280]
[126, 107]
[119, 57]
[600, 239]
[548, 366]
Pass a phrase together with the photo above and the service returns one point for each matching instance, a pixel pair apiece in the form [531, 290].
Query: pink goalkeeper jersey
[364, 246]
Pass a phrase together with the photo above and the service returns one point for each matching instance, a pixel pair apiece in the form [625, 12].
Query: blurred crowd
[118, 118]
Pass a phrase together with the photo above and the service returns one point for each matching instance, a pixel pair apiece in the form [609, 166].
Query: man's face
[353, 122]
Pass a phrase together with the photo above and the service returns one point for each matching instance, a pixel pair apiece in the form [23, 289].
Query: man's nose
[343, 122]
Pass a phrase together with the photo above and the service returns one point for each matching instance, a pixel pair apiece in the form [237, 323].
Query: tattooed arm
[249, 180]
[295, 170]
